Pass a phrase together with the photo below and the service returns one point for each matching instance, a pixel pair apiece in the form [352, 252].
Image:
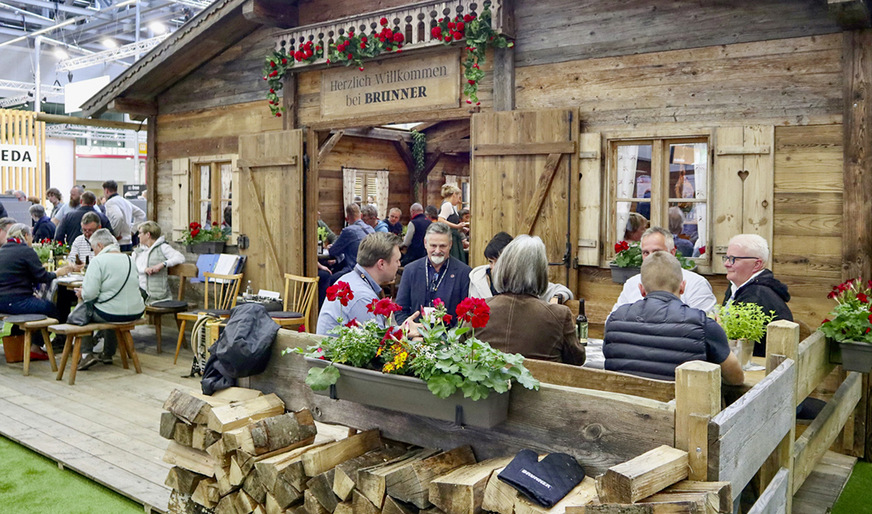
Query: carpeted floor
[855, 497]
[30, 483]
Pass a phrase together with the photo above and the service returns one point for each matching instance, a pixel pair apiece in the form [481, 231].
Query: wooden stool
[73, 343]
[31, 323]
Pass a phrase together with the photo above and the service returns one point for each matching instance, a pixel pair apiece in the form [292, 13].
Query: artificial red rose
[363, 45]
[271, 90]
[363, 38]
[436, 33]
[398, 37]
[458, 35]
[826, 320]
[472, 82]
[274, 73]
[383, 21]
[702, 250]
[448, 38]
[450, 25]
[459, 27]
[193, 224]
[272, 63]
[278, 115]
[870, 318]
[350, 57]
[469, 101]
[284, 61]
[468, 18]
[195, 232]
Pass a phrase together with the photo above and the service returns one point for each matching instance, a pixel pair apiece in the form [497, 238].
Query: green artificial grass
[855, 497]
[30, 483]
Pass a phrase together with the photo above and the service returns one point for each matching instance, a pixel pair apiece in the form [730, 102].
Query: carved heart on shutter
[743, 174]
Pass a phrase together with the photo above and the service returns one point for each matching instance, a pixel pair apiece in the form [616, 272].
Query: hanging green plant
[419, 147]
[479, 35]
[278, 63]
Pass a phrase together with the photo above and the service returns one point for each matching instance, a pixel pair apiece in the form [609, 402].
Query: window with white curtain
[211, 187]
[666, 181]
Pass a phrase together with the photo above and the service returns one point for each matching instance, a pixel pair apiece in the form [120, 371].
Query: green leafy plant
[322, 234]
[851, 320]
[448, 360]
[197, 233]
[744, 320]
[628, 255]
[277, 64]
[43, 251]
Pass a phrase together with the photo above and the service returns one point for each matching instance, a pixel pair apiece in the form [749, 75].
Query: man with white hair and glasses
[751, 282]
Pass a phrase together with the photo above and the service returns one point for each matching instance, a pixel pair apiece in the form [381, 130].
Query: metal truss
[30, 87]
[110, 55]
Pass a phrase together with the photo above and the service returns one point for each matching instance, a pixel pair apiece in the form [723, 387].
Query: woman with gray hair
[43, 228]
[153, 257]
[20, 273]
[111, 284]
[522, 323]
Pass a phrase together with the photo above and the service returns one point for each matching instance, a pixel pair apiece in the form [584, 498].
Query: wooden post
[151, 169]
[697, 399]
[310, 229]
[782, 338]
[504, 79]
[857, 190]
[289, 102]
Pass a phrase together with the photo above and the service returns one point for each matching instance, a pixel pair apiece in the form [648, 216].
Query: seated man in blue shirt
[655, 335]
[378, 259]
[345, 247]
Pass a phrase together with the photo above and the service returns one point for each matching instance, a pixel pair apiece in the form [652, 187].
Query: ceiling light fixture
[109, 43]
[60, 53]
[157, 27]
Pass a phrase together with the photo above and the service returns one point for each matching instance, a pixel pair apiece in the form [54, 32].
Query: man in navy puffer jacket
[655, 335]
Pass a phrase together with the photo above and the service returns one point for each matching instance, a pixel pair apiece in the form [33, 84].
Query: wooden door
[271, 214]
[521, 179]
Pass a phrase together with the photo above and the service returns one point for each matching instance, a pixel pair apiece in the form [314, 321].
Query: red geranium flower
[383, 307]
[353, 323]
[438, 303]
[342, 291]
[446, 319]
[863, 298]
[474, 311]
[301, 328]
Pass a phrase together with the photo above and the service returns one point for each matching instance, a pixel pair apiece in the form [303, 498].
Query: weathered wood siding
[564, 30]
[783, 82]
[447, 165]
[366, 154]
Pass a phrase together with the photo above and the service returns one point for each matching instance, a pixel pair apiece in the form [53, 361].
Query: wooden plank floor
[106, 426]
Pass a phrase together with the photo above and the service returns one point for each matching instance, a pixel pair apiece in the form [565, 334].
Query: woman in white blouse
[153, 257]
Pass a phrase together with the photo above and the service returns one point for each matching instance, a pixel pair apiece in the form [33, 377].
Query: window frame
[194, 200]
[659, 141]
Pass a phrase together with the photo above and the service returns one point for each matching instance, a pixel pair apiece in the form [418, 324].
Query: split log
[272, 506]
[179, 502]
[222, 478]
[197, 461]
[411, 483]
[394, 506]
[371, 480]
[168, 424]
[191, 408]
[285, 494]
[343, 508]
[723, 490]
[582, 494]
[259, 509]
[236, 503]
[345, 478]
[327, 457]
[238, 414]
[206, 493]
[235, 394]
[236, 474]
[313, 506]
[689, 506]
[462, 490]
[183, 480]
[254, 488]
[499, 496]
[287, 466]
[362, 505]
[184, 434]
[643, 476]
[219, 452]
[287, 431]
[321, 487]
[203, 437]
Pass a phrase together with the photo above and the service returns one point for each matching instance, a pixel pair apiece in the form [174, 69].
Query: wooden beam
[137, 109]
[386, 134]
[542, 187]
[643, 476]
[406, 155]
[272, 13]
[447, 130]
[600, 380]
[504, 79]
[850, 14]
[312, 204]
[325, 149]
[289, 101]
[72, 120]
[151, 171]
[857, 187]
[449, 146]
[430, 164]
[524, 149]
[697, 398]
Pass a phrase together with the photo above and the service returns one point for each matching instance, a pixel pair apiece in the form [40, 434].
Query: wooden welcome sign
[393, 85]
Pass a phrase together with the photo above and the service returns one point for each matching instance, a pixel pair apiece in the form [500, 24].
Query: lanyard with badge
[433, 285]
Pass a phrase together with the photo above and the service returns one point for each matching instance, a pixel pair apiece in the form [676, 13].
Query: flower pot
[744, 350]
[13, 348]
[620, 275]
[852, 355]
[410, 395]
[207, 247]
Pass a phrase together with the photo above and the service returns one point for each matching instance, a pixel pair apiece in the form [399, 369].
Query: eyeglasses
[731, 259]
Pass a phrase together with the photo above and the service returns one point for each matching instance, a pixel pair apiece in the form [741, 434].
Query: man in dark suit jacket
[71, 226]
[435, 275]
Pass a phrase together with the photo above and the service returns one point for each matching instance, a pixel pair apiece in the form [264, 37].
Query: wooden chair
[155, 311]
[31, 323]
[221, 292]
[300, 293]
[73, 344]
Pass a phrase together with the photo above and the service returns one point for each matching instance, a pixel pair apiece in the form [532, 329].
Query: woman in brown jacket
[519, 321]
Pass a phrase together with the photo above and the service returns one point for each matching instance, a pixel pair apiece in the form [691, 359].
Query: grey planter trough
[620, 275]
[410, 395]
[207, 247]
[852, 355]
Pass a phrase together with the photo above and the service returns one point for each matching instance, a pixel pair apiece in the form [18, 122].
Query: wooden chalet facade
[773, 95]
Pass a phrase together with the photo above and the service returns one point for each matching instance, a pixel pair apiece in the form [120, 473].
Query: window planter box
[410, 395]
[620, 275]
[852, 355]
[207, 247]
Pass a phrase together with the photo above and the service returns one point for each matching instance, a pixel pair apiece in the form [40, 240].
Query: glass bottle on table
[581, 323]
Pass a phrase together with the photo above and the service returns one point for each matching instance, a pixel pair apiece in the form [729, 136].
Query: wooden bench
[73, 344]
[30, 324]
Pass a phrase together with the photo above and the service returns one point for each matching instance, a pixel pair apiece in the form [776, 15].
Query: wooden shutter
[523, 179]
[589, 199]
[235, 189]
[744, 172]
[181, 197]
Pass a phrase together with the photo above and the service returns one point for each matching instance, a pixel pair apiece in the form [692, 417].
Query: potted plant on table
[202, 239]
[445, 373]
[745, 325]
[850, 325]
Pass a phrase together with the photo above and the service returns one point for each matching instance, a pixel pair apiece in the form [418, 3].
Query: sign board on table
[22, 156]
[393, 85]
